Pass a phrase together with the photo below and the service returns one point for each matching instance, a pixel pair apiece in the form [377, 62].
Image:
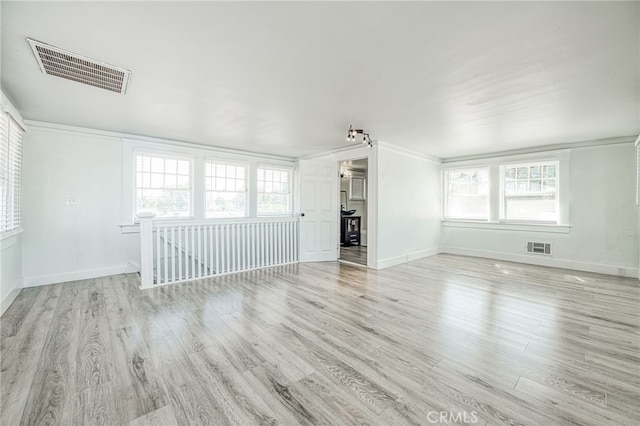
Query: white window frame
[290, 171]
[562, 157]
[11, 179]
[165, 155]
[445, 191]
[225, 162]
[503, 194]
[200, 153]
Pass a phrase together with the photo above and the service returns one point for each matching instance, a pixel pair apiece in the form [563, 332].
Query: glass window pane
[467, 197]
[522, 173]
[157, 180]
[532, 197]
[146, 164]
[170, 166]
[170, 181]
[549, 185]
[549, 171]
[534, 172]
[220, 184]
[535, 185]
[183, 167]
[183, 182]
[157, 165]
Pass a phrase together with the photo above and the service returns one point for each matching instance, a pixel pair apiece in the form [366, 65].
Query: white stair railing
[176, 251]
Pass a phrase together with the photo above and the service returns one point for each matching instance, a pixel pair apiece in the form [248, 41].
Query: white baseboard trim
[8, 300]
[78, 275]
[546, 261]
[398, 260]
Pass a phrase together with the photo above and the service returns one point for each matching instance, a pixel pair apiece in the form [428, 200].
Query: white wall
[408, 206]
[61, 242]
[10, 270]
[603, 218]
[64, 242]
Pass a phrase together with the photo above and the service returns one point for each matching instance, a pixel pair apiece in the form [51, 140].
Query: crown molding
[377, 144]
[350, 147]
[544, 148]
[149, 139]
[408, 152]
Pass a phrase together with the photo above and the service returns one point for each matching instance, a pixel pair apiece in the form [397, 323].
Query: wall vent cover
[538, 248]
[62, 63]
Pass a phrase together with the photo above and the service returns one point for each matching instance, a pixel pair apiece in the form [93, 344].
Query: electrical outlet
[71, 201]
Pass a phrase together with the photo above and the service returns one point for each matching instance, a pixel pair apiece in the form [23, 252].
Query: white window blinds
[530, 192]
[164, 185]
[10, 174]
[467, 194]
[225, 189]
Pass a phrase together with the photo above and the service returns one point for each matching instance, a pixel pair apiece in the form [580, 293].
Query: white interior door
[318, 210]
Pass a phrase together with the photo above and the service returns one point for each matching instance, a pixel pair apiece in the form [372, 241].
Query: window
[467, 194]
[164, 185]
[225, 190]
[274, 191]
[530, 192]
[10, 173]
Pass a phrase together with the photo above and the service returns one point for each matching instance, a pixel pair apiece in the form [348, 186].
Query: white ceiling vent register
[65, 64]
[538, 248]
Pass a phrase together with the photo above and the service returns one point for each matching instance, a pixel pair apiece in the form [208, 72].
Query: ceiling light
[351, 136]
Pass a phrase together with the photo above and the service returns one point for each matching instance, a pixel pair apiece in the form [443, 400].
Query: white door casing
[318, 210]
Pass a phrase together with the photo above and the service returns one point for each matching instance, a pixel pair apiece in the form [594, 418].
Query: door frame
[367, 204]
[354, 153]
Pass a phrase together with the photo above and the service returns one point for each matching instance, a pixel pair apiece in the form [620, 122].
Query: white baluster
[199, 258]
[146, 250]
[216, 232]
[192, 238]
[180, 250]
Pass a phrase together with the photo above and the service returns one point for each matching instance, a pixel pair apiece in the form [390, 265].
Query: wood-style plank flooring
[441, 340]
[354, 254]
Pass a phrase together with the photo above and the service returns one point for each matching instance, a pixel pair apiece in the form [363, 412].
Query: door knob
[302, 214]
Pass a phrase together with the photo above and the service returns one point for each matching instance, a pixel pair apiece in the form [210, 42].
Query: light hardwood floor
[328, 343]
[354, 254]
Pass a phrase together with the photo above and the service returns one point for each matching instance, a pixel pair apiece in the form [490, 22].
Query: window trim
[201, 153]
[561, 156]
[247, 176]
[445, 191]
[289, 170]
[502, 176]
[189, 158]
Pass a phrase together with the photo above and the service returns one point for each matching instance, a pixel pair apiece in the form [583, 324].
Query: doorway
[354, 176]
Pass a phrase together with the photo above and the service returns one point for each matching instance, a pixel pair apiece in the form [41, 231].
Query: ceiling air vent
[538, 248]
[65, 64]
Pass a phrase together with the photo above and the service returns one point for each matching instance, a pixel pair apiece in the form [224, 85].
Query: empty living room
[319, 213]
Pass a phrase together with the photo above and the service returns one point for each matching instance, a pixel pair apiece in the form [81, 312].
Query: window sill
[527, 227]
[10, 234]
[131, 228]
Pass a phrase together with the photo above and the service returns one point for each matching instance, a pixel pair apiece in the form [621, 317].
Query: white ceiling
[445, 79]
